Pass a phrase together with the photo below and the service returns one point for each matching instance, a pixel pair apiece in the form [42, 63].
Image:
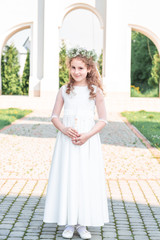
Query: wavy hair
[92, 77]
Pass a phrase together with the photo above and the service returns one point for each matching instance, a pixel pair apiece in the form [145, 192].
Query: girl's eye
[80, 68]
[73, 67]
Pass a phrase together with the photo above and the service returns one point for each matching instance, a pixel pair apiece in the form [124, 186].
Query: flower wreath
[74, 52]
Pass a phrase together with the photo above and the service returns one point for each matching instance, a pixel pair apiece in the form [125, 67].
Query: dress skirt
[76, 192]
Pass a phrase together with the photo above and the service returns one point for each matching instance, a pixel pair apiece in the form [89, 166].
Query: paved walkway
[132, 178]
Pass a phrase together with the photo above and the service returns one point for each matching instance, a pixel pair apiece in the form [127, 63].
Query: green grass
[7, 116]
[148, 123]
[147, 93]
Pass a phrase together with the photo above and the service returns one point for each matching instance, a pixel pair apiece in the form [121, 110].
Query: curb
[155, 152]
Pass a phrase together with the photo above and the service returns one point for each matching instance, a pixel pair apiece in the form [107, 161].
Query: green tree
[100, 63]
[10, 71]
[154, 80]
[26, 74]
[142, 52]
[2, 70]
[63, 70]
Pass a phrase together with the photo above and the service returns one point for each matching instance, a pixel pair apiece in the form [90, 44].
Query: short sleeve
[63, 90]
[58, 104]
[100, 105]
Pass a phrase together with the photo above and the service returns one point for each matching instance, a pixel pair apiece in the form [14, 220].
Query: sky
[80, 27]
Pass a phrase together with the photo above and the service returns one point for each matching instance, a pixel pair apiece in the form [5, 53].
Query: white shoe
[84, 234]
[68, 231]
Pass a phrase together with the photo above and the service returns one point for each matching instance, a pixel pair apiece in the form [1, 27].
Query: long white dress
[76, 192]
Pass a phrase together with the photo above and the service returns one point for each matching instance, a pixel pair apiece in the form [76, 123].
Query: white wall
[16, 15]
[45, 36]
[15, 12]
[50, 81]
[121, 13]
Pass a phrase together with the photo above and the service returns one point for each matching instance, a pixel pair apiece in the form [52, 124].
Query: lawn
[7, 116]
[135, 92]
[148, 123]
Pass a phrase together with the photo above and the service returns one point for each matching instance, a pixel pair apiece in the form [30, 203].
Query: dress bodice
[77, 103]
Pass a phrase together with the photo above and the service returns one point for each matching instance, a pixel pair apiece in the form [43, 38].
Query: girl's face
[78, 70]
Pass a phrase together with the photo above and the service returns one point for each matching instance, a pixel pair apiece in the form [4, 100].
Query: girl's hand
[70, 132]
[83, 137]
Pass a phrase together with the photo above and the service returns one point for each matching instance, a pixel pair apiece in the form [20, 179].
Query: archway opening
[82, 28]
[15, 62]
[145, 62]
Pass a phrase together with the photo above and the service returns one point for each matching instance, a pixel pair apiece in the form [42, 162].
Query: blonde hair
[93, 77]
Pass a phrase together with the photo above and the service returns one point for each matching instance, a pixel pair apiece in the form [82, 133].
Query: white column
[50, 81]
[40, 38]
[36, 51]
[101, 6]
[117, 51]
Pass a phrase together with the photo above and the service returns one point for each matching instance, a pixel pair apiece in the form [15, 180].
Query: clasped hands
[77, 139]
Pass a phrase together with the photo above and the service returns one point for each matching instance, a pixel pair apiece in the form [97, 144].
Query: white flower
[74, 52]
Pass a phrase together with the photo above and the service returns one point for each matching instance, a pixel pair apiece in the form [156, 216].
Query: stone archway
[93, 10]
[81, 6]
[7, 36]
[145, 31]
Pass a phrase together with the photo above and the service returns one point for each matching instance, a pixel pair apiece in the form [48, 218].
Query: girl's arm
[70, 132]
[101, 110]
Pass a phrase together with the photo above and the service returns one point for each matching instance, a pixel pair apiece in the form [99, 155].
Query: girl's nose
[76, 71]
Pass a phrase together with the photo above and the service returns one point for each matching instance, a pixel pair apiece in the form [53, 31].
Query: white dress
[76, 192]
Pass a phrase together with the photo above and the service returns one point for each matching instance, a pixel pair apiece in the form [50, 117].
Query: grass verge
[135, 92]
[7, 116]
[148, 123]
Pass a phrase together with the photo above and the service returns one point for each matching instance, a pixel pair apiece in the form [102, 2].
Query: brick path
[132, 177]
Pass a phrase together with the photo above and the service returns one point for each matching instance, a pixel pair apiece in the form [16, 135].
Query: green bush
[155, 72]
[63, 70]
[11, 84]
[142, 52]
[135, 92]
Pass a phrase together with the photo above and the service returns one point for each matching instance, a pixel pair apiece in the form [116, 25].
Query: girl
[76, 194]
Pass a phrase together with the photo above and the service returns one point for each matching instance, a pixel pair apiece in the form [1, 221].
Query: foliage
[145, 67]
[151, 92]
[155, 71]
[135, 92]
[10, 71]
[7, 116]
[142, 52]
[148, 123]
[26, 74]
[100, 63]
[63, 70]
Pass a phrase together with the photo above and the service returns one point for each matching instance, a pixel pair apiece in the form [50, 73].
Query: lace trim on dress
[54, 116]
[101, 119]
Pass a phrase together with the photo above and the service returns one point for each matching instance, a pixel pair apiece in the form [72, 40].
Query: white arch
[145, 31]
[13, 31]
[81, 6]
[5, 37]
[94, 11]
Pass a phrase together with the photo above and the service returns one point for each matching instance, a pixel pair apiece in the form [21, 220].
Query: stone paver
[132, 180]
